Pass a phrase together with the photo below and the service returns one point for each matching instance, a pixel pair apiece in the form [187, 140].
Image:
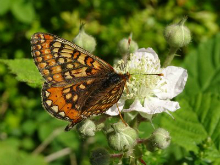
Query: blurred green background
[28, 135]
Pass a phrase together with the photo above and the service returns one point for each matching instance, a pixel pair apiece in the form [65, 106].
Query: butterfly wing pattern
[77, 83]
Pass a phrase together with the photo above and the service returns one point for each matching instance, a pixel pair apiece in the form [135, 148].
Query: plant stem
[58, 154]
[48, 140]
[141, 140]
[170, 57]
[134, 123]
[116, 155]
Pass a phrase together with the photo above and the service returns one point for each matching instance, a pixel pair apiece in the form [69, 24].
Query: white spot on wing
[47, 93]
[55, 108]
[49, 102]
[62, 114]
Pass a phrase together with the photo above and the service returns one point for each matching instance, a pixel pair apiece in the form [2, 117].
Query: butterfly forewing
[61, 61]
[77, 83]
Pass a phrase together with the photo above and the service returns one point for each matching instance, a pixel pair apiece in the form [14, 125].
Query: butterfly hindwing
[104, 98]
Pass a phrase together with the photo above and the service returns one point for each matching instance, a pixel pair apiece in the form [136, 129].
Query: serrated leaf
[203, 68]
[25, 71]
[198, 119]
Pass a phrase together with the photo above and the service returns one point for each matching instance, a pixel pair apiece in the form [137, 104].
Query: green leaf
[128, 117]
[198, 120]
[11, 156]
[203, 68]
[70, 140]
[23, 11]
[5, 5]
[25, 71]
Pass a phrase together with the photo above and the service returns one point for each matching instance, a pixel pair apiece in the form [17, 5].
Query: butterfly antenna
[121, 116]
[69, 126]
[156, 74]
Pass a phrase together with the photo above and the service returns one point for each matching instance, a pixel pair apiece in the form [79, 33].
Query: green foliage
[5, 5]
[23, 11]
[203, 68]
[11, 156]
[198, 119]
[25, 70]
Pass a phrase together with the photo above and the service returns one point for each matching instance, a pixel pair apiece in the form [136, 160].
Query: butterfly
[77, 83]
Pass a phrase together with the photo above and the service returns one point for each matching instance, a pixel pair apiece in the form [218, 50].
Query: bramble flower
[149, 94]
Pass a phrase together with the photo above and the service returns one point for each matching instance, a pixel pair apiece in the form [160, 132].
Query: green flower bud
[84, 40]
[107, 129]
[86, 128]
[100, 126]
[100, 156]
[127, 46]
[160, 138]
[177, 35]
[122, 138]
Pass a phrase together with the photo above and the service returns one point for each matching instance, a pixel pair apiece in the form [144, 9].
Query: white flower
[151, 94]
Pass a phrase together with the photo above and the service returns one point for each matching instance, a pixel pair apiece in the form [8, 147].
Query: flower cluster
[150, 90]
[150, 93]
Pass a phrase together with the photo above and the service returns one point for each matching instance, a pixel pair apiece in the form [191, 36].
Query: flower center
[141, 85]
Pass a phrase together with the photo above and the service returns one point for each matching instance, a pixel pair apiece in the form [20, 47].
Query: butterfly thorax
[112, 78]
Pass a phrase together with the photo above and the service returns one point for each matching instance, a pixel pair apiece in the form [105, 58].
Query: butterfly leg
[72, 124]
[121, 116]
[127, 90]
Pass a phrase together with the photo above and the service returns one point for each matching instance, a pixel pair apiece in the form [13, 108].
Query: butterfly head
[126, 76]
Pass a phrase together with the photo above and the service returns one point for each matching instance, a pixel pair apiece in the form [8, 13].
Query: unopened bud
[127, 46]
[122, 138]
[177, 35]
[100, 156]
[160, 138]
[84, 40]
[86, 128]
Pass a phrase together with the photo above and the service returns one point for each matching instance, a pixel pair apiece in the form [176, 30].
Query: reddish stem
[142, 161]
[139, 141]
[116, 155]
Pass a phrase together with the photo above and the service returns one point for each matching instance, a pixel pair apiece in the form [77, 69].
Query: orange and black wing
[62, 62]
[66, 102]
[98, 102]
[78, 84]
[102, 99]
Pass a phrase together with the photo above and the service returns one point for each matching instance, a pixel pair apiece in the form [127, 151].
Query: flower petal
[174, 81]
[146, 53]
[135, 106]
[113, 111]
[155, 105]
